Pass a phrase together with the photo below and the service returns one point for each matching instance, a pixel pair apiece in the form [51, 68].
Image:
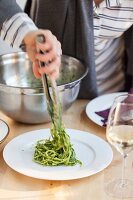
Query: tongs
[53, 104]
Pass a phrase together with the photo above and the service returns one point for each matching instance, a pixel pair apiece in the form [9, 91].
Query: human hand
[52, 56]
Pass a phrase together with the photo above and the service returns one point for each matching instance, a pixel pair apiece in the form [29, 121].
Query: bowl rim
[33, 89]
[7, 132]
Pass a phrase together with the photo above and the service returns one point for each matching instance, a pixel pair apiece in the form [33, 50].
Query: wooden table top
[15, 186]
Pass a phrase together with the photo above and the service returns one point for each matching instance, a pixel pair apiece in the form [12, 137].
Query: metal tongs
[53, 103]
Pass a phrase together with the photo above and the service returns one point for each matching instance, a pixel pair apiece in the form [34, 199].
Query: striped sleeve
[14, 30]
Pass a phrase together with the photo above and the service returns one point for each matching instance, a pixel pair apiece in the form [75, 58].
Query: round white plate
[4, 130]
[98, 104]
[94, 152]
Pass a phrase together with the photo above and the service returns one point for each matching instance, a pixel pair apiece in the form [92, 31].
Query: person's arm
[14, 29]
[52, 49]
[18, 28]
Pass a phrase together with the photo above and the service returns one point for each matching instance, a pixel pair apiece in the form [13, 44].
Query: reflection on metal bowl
[21, 94]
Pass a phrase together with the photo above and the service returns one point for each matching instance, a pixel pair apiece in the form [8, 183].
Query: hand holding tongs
[52, 101]
[41, 39]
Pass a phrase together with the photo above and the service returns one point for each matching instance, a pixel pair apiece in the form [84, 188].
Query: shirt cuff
[14, 30]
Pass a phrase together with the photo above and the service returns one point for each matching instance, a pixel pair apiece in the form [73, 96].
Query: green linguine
[57, 150]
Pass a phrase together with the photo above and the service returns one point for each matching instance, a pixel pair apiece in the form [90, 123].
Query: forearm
[18, 28]
[14, 30]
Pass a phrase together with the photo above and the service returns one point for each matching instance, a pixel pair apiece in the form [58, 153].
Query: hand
[52, 49]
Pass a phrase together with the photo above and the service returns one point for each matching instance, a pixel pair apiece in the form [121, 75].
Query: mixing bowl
[21, 94]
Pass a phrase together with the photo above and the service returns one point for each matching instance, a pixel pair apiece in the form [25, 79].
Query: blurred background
[4, 47]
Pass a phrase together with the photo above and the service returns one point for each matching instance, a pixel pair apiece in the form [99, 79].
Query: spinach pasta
[57, 150]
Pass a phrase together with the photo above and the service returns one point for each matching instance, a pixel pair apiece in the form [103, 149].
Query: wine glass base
[120, 188]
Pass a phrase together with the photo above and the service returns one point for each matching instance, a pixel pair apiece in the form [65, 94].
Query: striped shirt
[14, 30]
[111, 19]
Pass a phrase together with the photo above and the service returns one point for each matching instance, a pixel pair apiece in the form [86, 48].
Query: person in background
[99, 33]
[18, 30]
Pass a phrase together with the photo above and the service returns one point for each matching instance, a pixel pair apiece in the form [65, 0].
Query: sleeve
[14, 29]
[8, 8]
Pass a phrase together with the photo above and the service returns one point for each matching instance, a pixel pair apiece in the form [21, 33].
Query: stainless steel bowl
[21, 94]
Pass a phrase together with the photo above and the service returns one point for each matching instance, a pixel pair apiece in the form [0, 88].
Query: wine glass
[119, 133]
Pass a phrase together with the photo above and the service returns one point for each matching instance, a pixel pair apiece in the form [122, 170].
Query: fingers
[59, 50]
[51, 57]
[50, 52]
[51, 69]
[46, 58]
[51, 49]
[35, 68]
[51, 46]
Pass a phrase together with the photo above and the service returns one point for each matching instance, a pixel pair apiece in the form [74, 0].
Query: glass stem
[123, 169]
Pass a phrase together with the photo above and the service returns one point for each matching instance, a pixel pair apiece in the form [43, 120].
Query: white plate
[94, 152]
[98, 104]
[4, 130]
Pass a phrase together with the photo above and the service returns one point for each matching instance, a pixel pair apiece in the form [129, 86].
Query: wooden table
[14, 186]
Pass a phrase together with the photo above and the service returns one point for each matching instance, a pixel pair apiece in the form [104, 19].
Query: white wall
[4, 47]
